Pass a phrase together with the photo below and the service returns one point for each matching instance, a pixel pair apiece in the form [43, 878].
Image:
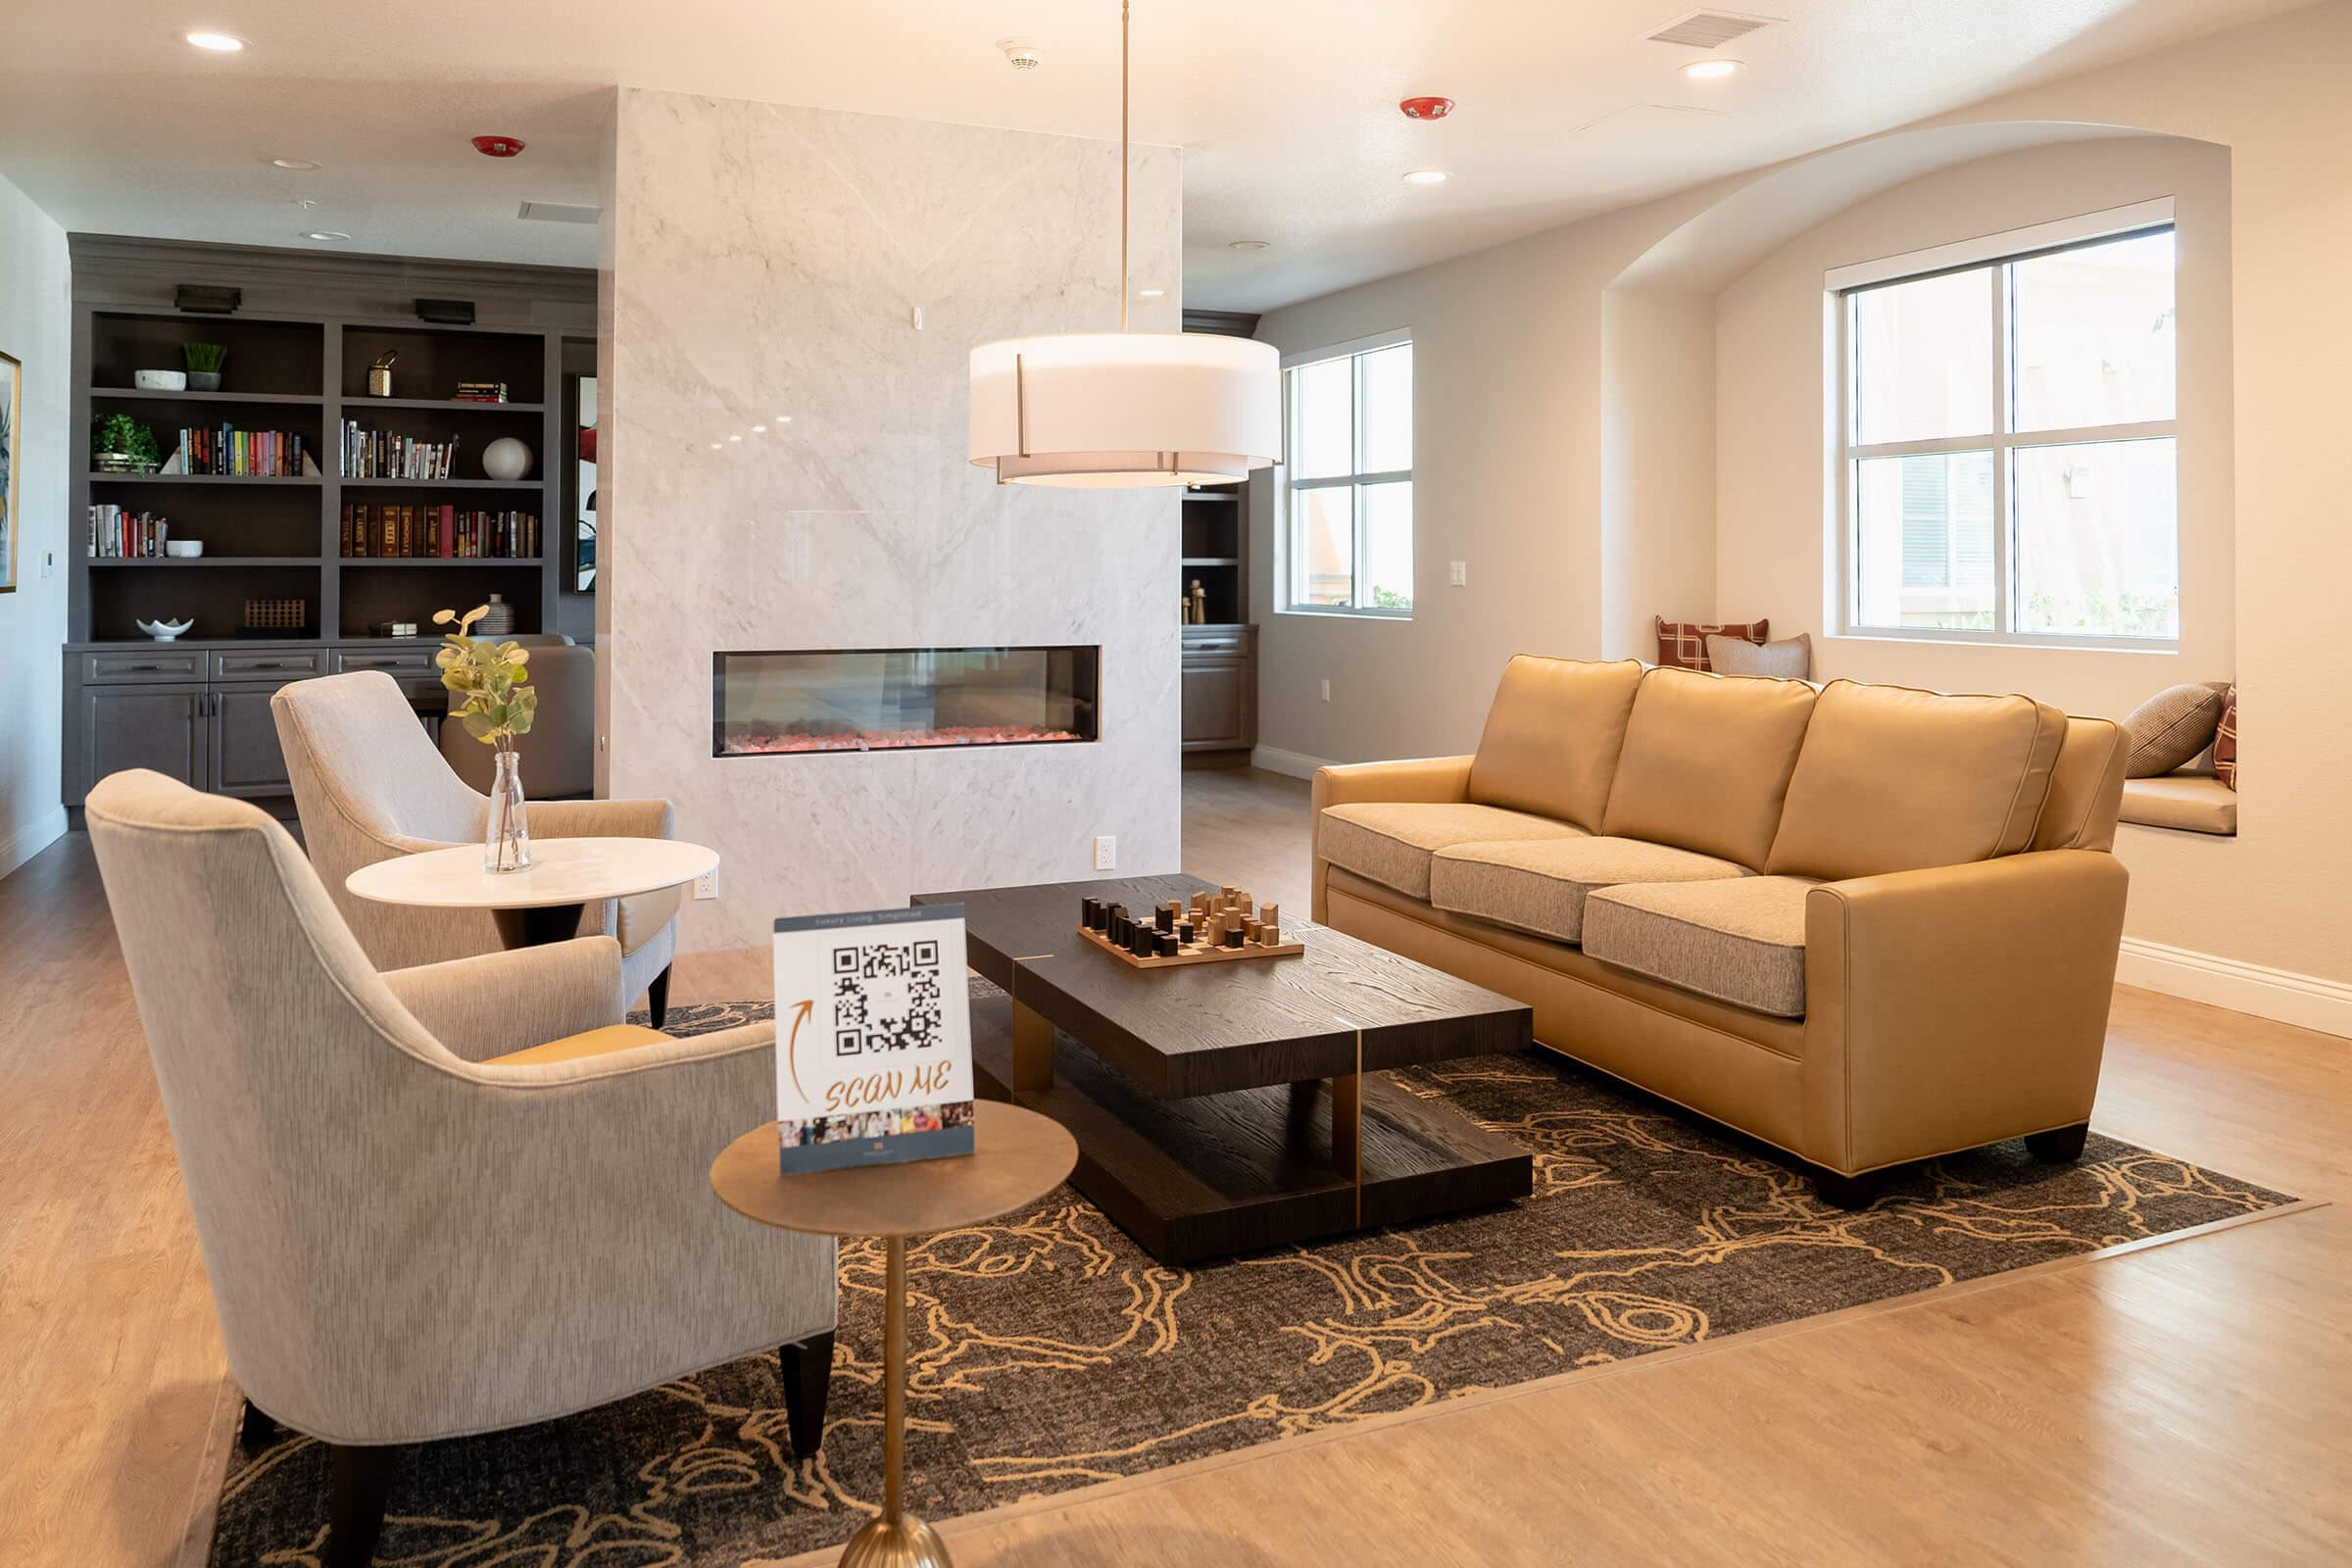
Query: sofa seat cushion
[1392, 841]
[2190, 802]
[1540, 886]
[1742, 941]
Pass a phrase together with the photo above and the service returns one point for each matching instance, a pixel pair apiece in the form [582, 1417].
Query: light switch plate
[1458, 573]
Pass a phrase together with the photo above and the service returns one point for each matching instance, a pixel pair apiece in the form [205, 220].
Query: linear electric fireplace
[900, 699]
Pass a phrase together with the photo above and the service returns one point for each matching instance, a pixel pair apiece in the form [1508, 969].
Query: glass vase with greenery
[484, 677]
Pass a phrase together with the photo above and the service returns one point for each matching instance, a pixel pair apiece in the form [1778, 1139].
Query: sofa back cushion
[1552, 736]
[1893, 779]
[1706, 762]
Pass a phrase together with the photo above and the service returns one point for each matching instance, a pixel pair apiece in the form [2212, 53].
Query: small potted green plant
[483, 678]
[203, 362]
[120, 444]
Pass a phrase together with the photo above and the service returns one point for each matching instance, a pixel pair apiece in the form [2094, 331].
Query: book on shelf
[383, 454]
[390, 530]
[480, 392]
[244, 454]
[114, 534]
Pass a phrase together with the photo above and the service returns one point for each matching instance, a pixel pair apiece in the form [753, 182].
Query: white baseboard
[31, 839]
[2304, 1000]
[1296, 764]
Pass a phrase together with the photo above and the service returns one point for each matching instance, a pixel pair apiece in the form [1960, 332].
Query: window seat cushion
[2192, 803]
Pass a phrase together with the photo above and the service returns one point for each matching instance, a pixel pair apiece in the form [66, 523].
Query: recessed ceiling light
[714, 445]
[1151, 293]
[783, 418]
[326, 234]
[734, 438]
[1249, 244]
[1427, 176]
[1709, 69]
[298, 165]
[758, 430]
[219, 43]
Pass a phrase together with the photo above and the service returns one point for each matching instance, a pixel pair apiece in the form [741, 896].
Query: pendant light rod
[1123, 5]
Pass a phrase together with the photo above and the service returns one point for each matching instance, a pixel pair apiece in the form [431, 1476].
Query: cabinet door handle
[143, 668]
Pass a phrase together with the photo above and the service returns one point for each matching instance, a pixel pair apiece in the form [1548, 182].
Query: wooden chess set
[1212, 928]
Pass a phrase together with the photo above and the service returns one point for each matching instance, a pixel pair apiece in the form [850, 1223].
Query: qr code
[884, 997]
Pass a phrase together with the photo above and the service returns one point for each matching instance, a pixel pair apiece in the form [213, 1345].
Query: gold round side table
[1017, 1158]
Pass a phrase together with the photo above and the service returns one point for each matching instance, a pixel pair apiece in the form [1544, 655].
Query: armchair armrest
[618, 819]
[502, 1001]
[1959, 1004]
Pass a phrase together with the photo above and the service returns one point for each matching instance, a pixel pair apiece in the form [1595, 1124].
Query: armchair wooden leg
[656, 996]
[2060, 1145]
[807, 1380]
[1840, 1191]
[257, 1429]
[359, 1484]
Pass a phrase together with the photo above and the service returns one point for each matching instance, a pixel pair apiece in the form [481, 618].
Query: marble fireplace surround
[789, 298]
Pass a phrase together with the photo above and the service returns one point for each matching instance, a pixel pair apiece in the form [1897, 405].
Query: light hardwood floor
[2181, 1403]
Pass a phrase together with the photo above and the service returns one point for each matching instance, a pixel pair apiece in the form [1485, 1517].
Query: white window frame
[1993, 251]
[1286, 484]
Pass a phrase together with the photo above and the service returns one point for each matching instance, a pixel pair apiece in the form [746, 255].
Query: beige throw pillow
[1791, 659]
[2171, 727]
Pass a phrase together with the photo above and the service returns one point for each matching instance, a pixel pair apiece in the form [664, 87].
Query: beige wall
[1511, 436]
[34, 329]
[1657, 465]
[1775, 536]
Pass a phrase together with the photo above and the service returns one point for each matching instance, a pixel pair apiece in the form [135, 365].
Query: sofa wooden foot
[359, 1484]
[1840, 1191]
[656, 996]
[807, 1380]
[256, 1429]
[2060, 1145]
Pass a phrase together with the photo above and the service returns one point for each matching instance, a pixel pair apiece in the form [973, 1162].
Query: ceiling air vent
[1709, 29]
[559, 212]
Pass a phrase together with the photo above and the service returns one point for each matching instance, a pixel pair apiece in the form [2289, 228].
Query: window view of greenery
[2011, 447]
[1350, 517]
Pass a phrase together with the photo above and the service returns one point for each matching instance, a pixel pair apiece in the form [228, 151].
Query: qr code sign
[886, 997]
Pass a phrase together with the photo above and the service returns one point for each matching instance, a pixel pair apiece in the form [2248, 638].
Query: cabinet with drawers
[1219, 688]
[200, 713]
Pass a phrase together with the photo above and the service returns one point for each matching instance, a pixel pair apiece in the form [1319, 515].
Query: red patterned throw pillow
[2225, 741]
[1682, 644]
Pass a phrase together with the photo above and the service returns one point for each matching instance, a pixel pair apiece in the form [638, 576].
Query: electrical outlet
[1107, 852]
[1326, 689]
[706, 886]
[1458, 573]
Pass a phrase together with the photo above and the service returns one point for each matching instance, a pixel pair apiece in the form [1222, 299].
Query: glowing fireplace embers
[812, 701]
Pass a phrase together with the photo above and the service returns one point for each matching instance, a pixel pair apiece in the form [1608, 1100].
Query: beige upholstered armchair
[413, 1229]
[369, 785]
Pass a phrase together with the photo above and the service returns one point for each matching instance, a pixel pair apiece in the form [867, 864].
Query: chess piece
[1184, 932]
[1164, 944]
[1271, 918]
[1233, 936]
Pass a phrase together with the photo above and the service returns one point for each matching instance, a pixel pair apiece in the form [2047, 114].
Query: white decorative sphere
[505, 459]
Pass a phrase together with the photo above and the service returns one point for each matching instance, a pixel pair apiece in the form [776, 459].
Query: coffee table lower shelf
[1217, 1174]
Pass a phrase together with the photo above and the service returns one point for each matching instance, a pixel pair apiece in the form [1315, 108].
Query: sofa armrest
[501, 1002]
[1956, 1006]
[589, 819]
[1419, 779]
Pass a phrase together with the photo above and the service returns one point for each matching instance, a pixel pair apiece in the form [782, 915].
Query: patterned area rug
[1049, 1353]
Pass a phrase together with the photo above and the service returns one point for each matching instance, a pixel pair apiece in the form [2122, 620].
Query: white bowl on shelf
[159, 380]
[183, 548]
[164, 631]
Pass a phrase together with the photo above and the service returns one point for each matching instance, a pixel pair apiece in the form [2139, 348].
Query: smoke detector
[1020, 54]
[1426, 108]
[498, 146]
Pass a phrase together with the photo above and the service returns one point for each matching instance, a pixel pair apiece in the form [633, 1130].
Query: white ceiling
[1286, 107]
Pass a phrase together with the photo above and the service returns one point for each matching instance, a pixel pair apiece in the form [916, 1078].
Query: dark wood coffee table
[1226, 1106]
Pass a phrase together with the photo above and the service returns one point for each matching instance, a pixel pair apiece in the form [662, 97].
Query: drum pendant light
[1115, 410]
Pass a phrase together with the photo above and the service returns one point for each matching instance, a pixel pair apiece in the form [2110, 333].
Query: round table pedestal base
[896, 1544]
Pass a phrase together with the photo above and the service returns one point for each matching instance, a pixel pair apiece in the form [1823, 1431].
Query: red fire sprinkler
[1431, 108]
[498, 146]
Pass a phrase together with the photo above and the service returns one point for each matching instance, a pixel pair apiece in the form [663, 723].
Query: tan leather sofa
[1865, 924]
